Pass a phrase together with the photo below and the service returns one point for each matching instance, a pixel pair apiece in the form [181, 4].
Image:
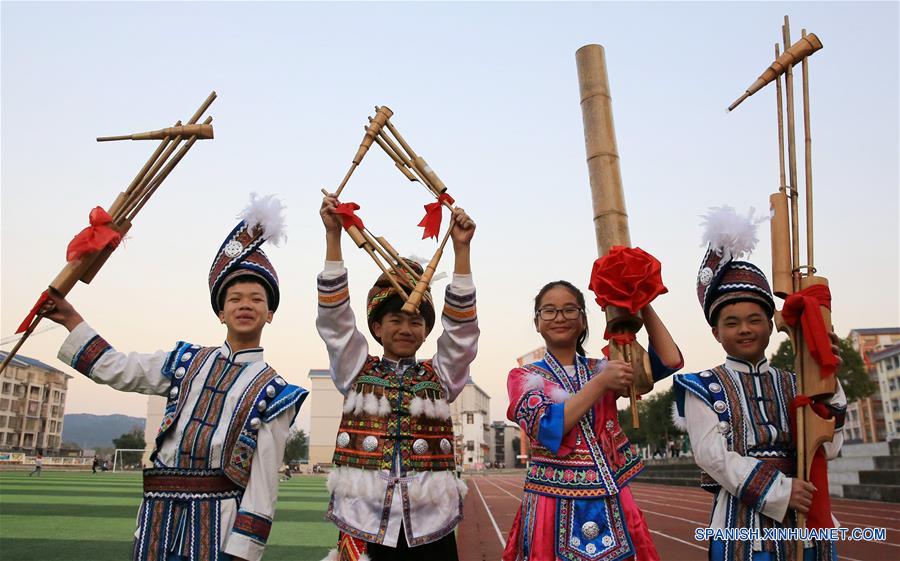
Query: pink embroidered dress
[576, 504]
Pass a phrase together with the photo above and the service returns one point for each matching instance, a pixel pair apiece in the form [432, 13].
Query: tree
[133, 439]
[296, 447]
[852, 372]
[655, 413]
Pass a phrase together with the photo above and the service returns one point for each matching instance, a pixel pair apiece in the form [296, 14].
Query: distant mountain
[95, 431]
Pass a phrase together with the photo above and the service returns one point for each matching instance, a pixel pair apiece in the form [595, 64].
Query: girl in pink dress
[576, 504]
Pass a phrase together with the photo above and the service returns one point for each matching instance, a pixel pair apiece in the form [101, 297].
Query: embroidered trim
[88, 355]
[254, 526]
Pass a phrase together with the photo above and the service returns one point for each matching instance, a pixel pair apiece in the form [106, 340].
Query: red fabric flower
[95, 237]
[627, 277]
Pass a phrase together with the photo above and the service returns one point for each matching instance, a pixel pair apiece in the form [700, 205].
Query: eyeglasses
[549, 314]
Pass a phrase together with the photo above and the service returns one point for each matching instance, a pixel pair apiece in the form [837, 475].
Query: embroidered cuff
[83, 348]
[529, 410]
[754, 489]
[550, 430]
[254, 526]
[333, 289]
[459, 307]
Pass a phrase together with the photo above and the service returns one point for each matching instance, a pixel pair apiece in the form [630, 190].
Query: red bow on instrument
[621, 338]
[34, 310]
[627, 277]
[819, 515]
[95, 237]
[804, 307]
[348, 215]
[433, 213]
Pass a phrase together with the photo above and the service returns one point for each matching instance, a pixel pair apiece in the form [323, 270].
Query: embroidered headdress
[382, 291]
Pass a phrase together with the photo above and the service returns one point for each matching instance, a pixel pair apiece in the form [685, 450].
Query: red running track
[672, 514]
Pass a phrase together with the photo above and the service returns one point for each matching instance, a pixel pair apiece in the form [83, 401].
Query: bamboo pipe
[415, 298]
[200, 131]
[374, 244]
[792, 162]
[411, 162]
[123, 197]
[382, 114]
[399, 137]
[807, 140]
[806, 46]
[359, 238]
[398, 161]
[396, 257]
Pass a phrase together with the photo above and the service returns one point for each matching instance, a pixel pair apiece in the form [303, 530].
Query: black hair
[393, 304]
[245, 278]
[579, 297]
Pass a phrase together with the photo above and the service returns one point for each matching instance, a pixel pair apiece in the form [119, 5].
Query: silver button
[420, 446]
[173, 393]
[706, 275]
[186, 357]
[590, 548]
[179, 372]
[233, 248]
[607, 541]
[714, 387]
[254, 423]
[261, 406]
[610, 425]
[724, 427]
[270, 391]
[446, 447]
[370, 443]
[575, 541]
[720, 406]
[280, 381]
[343, 440]
[195, 346]
[705, 374]
[590, 530]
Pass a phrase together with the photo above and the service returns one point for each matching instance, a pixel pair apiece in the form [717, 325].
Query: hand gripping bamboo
[608, 196]
[129, 202]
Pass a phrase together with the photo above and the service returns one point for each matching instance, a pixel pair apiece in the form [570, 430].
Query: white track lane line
[673, 538]
[494, 522]
[487, 479]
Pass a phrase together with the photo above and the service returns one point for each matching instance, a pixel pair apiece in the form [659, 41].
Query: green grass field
[69, 516]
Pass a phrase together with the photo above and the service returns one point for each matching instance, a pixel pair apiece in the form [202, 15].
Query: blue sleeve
[657, 368]
[550, 431]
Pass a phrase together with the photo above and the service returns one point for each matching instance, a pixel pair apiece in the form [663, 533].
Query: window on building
[11, 439]
[3, 421]
[19, 390]
[34, 408]
[470, 418]
[470, 445]
[28, 441]
[4, 404]
[7, 388]
[52, 426]
[54, 411]
[35, 392]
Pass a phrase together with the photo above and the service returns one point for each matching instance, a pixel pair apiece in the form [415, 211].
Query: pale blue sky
[488, 94]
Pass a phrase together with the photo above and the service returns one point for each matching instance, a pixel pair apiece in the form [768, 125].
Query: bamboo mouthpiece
[202, 132]
[798, 51]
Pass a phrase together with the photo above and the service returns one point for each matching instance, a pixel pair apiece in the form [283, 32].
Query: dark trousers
[442, 550]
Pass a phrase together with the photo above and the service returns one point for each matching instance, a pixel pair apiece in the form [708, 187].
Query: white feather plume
[370, 404]
[441, 409]
[416, 406]
[384, 407]
[558, 395]
[265, 212]
[731, 235]
[360, 403]
[677, 420]
[428, 408]
[350, 401]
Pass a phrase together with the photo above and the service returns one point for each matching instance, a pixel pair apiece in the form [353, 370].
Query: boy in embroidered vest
[737, 414]
[210, 495]
[394, 491]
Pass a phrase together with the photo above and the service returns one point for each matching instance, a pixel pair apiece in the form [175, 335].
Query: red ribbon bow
[819, 515]
[95, 237]
[804, 307]
[621, 338]
[348, 216]
[34, 310]
[433, 213]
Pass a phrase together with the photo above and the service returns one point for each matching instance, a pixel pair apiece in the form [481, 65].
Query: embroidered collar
[247, 355]
[747, 367]
[398, 365]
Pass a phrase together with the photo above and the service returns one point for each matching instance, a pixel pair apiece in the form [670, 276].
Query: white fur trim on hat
[730, 235]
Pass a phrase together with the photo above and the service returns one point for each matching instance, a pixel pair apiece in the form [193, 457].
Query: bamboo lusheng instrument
[128, 203]
[381, 131]
[608, 196]
[789, 276]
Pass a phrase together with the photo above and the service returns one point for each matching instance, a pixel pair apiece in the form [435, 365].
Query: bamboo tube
[792, 162]
[120, 201]
[399, 137]
[372, 241]
[391, 278]
[382, 114]
[398, 161]
[807, 139]
[200, 131]
[434, 182]
[781, 245]
[9, 356]
[779, 104]
[396, 257]
[806, 46]
[415, 298]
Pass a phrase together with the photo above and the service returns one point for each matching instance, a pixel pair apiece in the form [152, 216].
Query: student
[38, 463]
[576, 502]
[394, 491]
[736, 414]
[212, 489]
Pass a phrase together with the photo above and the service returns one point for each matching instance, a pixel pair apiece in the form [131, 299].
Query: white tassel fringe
[265, 212]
